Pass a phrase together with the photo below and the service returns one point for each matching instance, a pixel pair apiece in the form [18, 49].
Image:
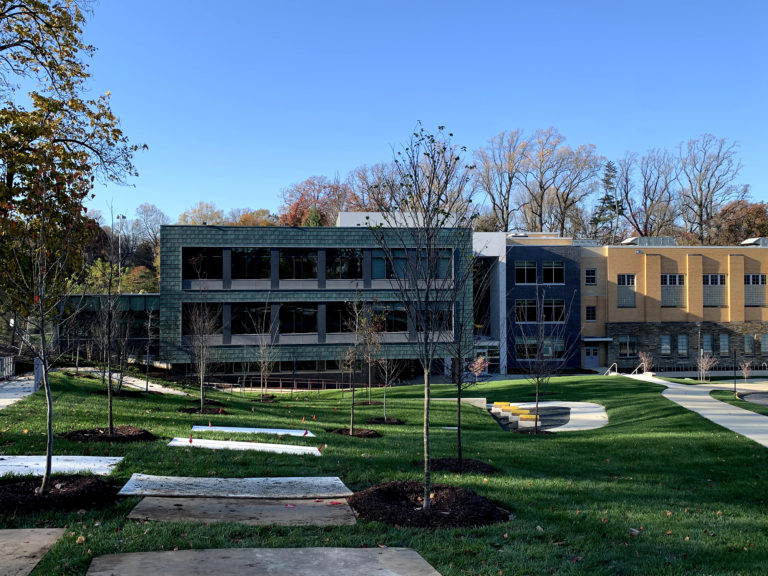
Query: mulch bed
[383, 421]
[206, 410]
[367, 403]
[469, 465]
[122, 434]
[400, 504]
[359, 432]
[67, 493]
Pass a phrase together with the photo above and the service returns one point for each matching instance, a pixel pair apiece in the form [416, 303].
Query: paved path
[21, 550]
[16, 388]
[696, 398]
[35, 465]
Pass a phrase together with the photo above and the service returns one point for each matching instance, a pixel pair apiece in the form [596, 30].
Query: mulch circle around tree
[121, 434]
[468, 465]
[206, 410]
[67, 493]
[359, 432]
[400, 504]
[383, 421]
[367, 403]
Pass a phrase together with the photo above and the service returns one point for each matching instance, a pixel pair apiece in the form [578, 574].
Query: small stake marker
[320, 449]
[303, 420]
[209, 424]
[190, 439]
[313, 417]
[221, 410]
[306, 432]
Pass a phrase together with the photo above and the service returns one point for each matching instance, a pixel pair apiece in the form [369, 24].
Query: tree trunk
[427, 469]
[459, 455]
[352, 412]
[536, 419]
[110, 421]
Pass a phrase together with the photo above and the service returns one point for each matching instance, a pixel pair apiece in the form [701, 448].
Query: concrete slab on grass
[254, 446]
[266, 562]
[35, 465]
[277, 431]
[21, 550]
[294, 512]
[275, 488]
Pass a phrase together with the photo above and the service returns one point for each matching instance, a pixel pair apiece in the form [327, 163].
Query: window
[749, 344]
[298, 264]
[682, 345]
[673, 290]
[673, 279]
[590, 314]
[439, 317]
[725, 348]
[392, 317]
[627, 346]
[764, 344]
[626, 290]
[200, 319]
[298, 318]
[714, 290]
[552, 272]
[251, 263]
[382, 268]
[442, 264]
[343, 264]
[525, 347]
[525, 272]
[553, 348]
[202, 263]
[250, 318]
[754, 290]
[706, 343]
[525, 310]
[553, 311]
[590, 277]
[666, 345]
[338, 317]
[714, 279]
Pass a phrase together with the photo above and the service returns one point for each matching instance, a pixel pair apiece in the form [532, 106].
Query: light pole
[120, 220]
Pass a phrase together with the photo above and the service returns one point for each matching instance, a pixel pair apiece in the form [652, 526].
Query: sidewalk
[697, 399]
[16, 388]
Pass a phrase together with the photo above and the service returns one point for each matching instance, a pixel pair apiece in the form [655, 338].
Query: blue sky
[240, 99]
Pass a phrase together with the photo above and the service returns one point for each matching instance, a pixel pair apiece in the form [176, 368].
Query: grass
[694, 491]
[727, 396]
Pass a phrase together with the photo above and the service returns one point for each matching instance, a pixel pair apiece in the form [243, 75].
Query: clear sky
[241, 98]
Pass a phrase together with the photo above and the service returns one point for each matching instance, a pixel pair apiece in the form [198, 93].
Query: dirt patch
[532, 432]
[121, 434]
[384, 421]
[367, 403]
[206, 410]
[67, 493]
[359, 432]
[400, 504]
[469, 465]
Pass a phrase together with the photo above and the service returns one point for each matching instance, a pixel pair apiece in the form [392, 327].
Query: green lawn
[694, 491]
[727, 396]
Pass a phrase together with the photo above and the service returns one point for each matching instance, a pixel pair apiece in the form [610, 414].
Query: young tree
[391, 369]
[646, 359]
[746, 370]
[706, 362]
[544, 347]
[203, 321]
[426, 207]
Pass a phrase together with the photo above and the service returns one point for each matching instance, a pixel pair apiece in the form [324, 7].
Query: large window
[338, 317]
[706, 343]
[525, 310]
[382, 268]
[749, 344]
[200, 319]
[552, 272]
[391, 316]
[553, 311]
[764, 344]
[251, 263]
[625, 290]
[590, 313]
[590, 277]
[682, 345]
[442, 264]
[343, 264]
[202, 263]
[714, 288]
[298, 264]
[627, 346]
[250, 318]
[525, 272]
[754, 289]
[673, 290]
[298, 318]
[725, 345]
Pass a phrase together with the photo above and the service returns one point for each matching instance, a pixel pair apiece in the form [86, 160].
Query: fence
[6, 367]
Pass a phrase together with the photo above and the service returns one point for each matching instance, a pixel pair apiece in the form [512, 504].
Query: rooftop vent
[650, 241]
[755, 242]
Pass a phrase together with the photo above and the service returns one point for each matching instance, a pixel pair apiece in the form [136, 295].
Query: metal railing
[612, 369]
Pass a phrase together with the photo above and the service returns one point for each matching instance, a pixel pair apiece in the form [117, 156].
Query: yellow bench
[528, 420]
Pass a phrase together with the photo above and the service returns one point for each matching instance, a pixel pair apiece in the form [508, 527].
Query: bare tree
[366, 184]
[646, 359]
[705, 363]
[427, 210]
[497, 172]
[708, 171]
[544, 345]
[649, 202]
[391, 369]
[203, 322]
[746, 370]
[149, 219]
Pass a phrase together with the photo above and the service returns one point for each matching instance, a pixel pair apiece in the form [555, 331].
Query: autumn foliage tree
[316, 197]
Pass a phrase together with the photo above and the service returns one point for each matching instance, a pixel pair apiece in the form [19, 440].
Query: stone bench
[528, 420]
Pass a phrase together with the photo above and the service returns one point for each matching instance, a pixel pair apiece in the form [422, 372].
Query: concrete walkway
[16, 388]
[696, 398]
[21, 550]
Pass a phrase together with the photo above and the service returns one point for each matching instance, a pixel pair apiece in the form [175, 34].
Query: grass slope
[693, 492]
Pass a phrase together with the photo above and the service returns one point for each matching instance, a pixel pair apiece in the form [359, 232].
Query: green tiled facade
[173, 292]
